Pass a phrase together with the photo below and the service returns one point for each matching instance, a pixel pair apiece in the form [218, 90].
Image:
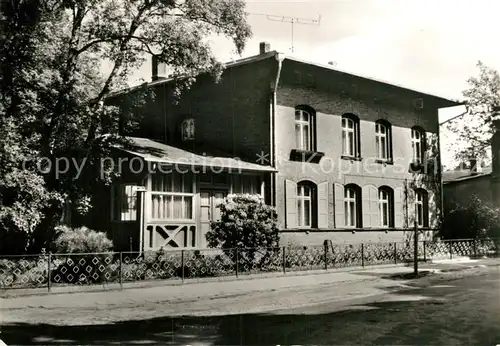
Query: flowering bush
[81, 240]
[87, 267]
[246, 223]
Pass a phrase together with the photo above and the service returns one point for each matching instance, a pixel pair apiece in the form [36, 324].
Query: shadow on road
[462, 312]
[396, 322]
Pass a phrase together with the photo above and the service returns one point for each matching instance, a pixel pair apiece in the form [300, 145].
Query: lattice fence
[48, 270]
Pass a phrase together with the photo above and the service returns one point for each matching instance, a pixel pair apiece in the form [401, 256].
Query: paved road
[463, 310]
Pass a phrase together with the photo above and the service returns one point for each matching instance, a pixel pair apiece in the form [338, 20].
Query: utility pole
[291, 20]
[415, 248]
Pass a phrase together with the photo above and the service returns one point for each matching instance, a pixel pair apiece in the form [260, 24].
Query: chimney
[264, 47]
[158, 69]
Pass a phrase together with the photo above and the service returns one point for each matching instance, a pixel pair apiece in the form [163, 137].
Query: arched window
[418, 144]
[306, 204]
[352, 206]
[350, 136]
[421, 208]
[386, 206]
[383, 140]
[305, 131]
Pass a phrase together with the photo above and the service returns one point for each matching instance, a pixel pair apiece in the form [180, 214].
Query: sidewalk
[255, 295]
[207, 288]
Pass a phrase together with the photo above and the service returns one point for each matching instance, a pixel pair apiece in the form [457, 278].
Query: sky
[432, 46]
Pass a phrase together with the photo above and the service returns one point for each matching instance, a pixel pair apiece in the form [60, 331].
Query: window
[306, 208]
[418, 144]
[249, 184]
[383, 140]
[386, 206]
[350, 136]
[421, 208]
[124, 202]
[304, 129]
[352, 206]
[172, 196]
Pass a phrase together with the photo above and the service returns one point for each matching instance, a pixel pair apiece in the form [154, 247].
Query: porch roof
[153, 151]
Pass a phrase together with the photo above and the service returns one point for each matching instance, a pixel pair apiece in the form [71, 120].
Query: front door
[209, 211]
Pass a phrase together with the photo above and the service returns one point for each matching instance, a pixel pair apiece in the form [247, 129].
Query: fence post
[121, 270]
[49, 279]
[325, 248]
[415, 250]
[474, 248]
[451, 249]
[237, 260]
[425, 255]
[395, 253]
[284, 260]
[363, 255]
[182, 265]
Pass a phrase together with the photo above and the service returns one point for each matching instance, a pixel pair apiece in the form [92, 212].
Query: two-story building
[329, 149]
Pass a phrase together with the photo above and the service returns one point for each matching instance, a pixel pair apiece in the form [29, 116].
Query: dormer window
[304, 129]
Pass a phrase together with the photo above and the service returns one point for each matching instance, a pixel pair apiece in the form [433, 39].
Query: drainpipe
[272, 155]
[440, 177]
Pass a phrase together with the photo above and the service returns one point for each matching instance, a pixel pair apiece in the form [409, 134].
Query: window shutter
[398, 207]
[432, 209]
[291, 204]
[323, 205]
[365, 206]
[374, 212]
[339, 205]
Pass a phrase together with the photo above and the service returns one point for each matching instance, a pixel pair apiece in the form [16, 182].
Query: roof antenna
[291, 20]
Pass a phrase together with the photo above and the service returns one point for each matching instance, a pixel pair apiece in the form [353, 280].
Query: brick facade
[241, 116]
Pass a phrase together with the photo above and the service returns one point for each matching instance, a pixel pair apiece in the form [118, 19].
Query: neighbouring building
[461, 184]
[468, 180]
[340, 156]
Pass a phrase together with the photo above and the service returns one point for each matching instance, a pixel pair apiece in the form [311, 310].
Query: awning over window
[152, 151]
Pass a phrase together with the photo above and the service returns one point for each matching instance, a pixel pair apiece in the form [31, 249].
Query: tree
[475, 219]
[53, 91]
[475, 129]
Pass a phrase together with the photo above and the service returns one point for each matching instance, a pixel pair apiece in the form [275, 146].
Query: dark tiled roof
[463, 174]
[158, 152]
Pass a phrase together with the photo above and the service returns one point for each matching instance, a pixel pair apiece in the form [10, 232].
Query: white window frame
[119, 191]
[384, 199]
[304, 126]
[184, 195]
[351, 201]
[382, 135]
[254, 183]
[346, 131]
[420, 200]
[417, 137]
[301, 200]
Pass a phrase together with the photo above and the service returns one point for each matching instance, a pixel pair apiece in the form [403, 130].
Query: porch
[172, 203]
